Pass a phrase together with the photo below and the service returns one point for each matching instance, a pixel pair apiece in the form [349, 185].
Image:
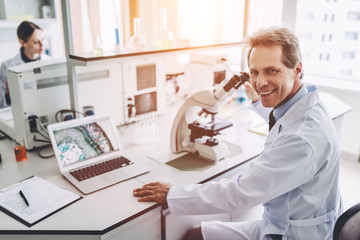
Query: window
[324, 36]
[211, 21]
[305, 36]
[353, 16]
[307, 15]
[351, 36]
[346, 72]
[348, 55]
[337, 47]
[264, 14]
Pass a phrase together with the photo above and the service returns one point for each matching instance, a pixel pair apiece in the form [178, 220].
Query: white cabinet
[45, 13]
[14, 10]
[146, 226]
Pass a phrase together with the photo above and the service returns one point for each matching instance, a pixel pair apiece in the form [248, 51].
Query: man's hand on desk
[153, 192]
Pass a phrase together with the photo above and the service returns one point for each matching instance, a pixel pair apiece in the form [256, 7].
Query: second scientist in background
[31, 38]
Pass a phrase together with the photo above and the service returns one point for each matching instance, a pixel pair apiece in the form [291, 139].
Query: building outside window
[348, 55]
[353, 16]
[353, 36]
[334, 30]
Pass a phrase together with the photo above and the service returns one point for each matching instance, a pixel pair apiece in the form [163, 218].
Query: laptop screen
[81, 142]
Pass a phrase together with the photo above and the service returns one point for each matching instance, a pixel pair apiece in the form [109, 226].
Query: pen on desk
[23, 197]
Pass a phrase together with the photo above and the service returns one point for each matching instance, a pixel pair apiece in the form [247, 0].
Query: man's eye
[253, 73]
[271, 71]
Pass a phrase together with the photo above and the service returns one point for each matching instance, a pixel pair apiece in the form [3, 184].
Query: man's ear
[298, 69]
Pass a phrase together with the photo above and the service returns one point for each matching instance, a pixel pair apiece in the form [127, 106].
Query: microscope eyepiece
[232, 83]
[243, 78]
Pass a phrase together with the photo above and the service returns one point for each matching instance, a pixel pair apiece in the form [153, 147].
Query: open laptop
[89, 154]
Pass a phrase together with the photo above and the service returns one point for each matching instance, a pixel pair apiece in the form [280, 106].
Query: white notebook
[38, 200]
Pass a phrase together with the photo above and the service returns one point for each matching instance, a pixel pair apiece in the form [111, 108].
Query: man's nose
[261, 81]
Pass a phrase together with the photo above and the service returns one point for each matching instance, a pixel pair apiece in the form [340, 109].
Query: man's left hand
[153, 192]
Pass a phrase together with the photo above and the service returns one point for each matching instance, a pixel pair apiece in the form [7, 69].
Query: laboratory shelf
[89, 58]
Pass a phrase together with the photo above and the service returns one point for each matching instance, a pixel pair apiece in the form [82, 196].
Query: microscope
[195, 125]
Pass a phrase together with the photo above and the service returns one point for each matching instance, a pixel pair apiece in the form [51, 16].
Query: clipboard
[43, 200]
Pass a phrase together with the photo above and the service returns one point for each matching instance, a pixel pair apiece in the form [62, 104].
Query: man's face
[272, 80]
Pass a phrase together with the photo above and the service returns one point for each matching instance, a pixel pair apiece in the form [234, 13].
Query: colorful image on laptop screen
[83, 142]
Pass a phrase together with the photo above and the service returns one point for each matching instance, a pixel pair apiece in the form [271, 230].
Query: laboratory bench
[113, 213]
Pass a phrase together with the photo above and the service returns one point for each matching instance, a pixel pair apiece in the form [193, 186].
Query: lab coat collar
[300, 101]
[25, 58]
[281, 110]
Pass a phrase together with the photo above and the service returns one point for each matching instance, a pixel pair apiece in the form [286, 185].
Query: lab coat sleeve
[277, 171]
[3, 80]
[264, 112]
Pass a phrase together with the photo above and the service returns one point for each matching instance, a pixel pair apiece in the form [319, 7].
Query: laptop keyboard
[100, 168]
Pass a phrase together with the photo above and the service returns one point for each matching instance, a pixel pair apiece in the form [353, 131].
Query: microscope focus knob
[211, 142]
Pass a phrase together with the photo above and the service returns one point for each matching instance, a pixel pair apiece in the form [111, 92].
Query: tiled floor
[349, 182]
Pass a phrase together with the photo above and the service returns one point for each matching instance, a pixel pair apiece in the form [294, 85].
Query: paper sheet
[259, 125]
[44, 198]
[262, 129]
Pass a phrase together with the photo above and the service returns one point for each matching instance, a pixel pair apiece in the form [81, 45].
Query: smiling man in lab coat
[295, 177]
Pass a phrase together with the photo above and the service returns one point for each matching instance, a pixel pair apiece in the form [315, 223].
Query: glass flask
[163, 38]
[98, 50]
[137, 42]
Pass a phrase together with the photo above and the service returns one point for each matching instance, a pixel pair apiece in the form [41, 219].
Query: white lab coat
[16, 60]
[295, 177]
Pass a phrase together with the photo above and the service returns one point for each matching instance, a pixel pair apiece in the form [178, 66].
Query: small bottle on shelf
[46, 11]
[137, 41]
[163, 38]
[98, 50]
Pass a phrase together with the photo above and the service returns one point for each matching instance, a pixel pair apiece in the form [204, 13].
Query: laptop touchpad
[115, 176]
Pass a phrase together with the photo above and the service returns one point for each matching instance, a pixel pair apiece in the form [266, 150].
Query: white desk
[114, 213]
[95, 215]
